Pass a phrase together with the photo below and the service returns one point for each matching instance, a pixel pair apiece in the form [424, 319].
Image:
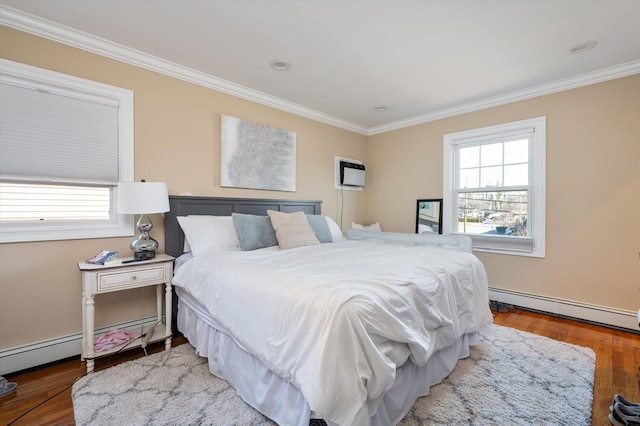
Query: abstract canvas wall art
[256, 156]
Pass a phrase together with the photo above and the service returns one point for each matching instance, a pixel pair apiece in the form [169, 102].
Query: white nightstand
[98, 279]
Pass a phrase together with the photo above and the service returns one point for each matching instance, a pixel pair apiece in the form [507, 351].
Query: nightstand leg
[84, 326]
[89, 332]
[159, 302]
[167, 315]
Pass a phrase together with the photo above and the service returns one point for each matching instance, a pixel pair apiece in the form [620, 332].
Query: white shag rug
[510, 378]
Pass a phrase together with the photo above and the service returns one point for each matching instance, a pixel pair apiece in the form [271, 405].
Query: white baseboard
[584, 311]
[40, 353]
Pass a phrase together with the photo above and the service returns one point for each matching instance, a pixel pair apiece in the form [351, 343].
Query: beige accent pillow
[292, 229]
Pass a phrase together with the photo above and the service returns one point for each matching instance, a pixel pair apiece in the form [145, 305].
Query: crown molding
[610, 73]
[31, 24]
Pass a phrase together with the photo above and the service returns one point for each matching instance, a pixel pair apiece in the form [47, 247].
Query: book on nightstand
[101, 257]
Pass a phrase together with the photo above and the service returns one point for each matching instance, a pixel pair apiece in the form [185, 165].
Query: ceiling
[364, 65]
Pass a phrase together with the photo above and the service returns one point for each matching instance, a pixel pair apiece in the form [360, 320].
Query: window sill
[512, 246]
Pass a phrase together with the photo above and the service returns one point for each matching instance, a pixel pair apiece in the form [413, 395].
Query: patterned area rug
[511, 377]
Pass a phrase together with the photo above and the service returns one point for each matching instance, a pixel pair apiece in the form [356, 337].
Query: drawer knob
[135, 277]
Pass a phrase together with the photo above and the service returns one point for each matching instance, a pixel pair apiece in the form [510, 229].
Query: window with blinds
[494, 179]
[65, 143]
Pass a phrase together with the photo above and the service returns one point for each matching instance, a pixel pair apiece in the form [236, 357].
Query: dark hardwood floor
[617, 370]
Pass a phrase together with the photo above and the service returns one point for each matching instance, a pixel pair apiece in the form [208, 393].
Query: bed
[348, 330]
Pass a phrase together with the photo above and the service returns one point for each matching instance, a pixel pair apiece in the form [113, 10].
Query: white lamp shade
[143, 197]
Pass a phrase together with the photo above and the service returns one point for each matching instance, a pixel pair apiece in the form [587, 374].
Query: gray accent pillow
[254, 232]
[320, 227]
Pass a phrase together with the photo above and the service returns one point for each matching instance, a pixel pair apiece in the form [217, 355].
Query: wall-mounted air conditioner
[352, 174]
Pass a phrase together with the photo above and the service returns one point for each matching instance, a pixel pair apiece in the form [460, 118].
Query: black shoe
[623, 416]
[633, 406]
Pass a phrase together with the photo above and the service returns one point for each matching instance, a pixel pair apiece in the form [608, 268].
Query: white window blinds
[57, 136]
[65, 143]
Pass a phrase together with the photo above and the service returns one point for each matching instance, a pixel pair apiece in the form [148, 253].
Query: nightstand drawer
[112, 281]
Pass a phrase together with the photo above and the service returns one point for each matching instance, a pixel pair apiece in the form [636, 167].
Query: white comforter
[336, 320]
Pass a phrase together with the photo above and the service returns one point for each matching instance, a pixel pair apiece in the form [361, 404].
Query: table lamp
[143, 198]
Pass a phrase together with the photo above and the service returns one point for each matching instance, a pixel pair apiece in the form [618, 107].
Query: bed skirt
[281, 401]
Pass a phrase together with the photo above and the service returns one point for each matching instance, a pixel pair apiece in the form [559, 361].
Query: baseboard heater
[41, 353]
[47, 351]
[602, 315]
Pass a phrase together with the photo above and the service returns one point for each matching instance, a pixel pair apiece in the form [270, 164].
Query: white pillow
[373, 227]
[187, 247]
[292, 229]
[336, 232]
[202, 232]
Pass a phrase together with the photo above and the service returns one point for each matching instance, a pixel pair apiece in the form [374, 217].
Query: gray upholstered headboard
[215, 206]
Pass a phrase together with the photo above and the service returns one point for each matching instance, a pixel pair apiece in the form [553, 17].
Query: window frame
[118, 224]
[536, 185]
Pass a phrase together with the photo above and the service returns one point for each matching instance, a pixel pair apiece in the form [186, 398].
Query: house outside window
[494, 186]
[65, 143]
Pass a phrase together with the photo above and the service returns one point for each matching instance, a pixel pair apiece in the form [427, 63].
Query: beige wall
[176, 141]
[593, 191]
[593, 187]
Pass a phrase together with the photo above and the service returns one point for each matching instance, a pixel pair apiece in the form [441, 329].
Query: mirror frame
[435, 212]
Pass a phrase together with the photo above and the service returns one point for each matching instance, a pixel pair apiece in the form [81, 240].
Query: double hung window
[494, 181]
[65, 142]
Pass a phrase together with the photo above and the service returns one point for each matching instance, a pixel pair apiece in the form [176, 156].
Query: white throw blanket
[337, 319]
